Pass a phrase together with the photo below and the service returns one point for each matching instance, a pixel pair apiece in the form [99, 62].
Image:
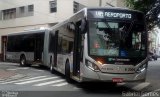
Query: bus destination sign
[111, 15]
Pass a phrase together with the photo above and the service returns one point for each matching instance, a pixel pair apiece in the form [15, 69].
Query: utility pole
[109, 4]
[100, 3]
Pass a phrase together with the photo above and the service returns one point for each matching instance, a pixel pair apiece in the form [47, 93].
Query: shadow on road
[103, 88]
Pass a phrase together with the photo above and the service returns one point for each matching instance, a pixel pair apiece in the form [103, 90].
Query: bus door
[39, 39]
[55, 48]
[4, 44]
[77, 50]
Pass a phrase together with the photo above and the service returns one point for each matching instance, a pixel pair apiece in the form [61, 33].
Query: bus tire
[51, 66]
[112, 84]
[52, 69]
[22, 60]
[67, 72]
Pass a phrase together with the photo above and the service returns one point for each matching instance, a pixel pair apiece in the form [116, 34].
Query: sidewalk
[9, 75]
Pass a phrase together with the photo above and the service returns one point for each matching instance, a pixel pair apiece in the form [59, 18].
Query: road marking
[141, 86]
[77, 88]
[18, 68]
[23, 80]
[39, 70]
[157, 90]
[51, 82]
[61, 84]
[38, 80]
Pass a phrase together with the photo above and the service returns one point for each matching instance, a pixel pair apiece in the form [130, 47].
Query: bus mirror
[83, 26]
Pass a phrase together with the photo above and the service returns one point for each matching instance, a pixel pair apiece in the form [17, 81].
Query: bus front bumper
[90, 75]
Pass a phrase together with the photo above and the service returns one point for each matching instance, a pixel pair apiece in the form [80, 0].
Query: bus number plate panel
[118, 80]
[118, 69]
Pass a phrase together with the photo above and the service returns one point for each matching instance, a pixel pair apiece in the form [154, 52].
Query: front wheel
[22, 61]
[51, 69]
[51, 66]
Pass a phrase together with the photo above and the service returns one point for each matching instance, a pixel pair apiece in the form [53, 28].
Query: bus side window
[67, 46]
[70, 48]
[51, 43]
[64, 46]
[59, 48]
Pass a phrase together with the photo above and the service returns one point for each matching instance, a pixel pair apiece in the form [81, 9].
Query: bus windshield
[117, 39]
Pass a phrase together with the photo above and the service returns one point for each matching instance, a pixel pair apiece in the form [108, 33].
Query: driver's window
[136, 40]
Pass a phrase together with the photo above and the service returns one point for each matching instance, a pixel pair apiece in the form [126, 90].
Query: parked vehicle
[152, 56]
[155, 56]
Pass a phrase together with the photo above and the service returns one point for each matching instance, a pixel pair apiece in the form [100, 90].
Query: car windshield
[118, 39]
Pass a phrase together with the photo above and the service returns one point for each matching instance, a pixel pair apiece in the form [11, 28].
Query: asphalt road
[37, 81]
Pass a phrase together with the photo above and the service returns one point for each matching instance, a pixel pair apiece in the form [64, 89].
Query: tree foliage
[151, 9]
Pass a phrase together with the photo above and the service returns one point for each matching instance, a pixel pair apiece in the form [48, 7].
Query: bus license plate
[118, 80]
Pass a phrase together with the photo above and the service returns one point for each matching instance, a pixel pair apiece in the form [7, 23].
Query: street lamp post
[109, 4]
[100, 3]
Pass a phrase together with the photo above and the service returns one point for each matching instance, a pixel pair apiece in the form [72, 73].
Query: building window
[9, 13]
[75, 6]
[30, 8]
[53, 6]
[21, 9]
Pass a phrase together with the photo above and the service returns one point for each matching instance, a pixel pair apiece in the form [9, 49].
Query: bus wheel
[51, 66]
[67, 72]
[22, 60]
[51, 69]
[112, 84]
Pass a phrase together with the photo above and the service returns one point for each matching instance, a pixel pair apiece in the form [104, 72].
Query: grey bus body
[98, 44]
[28, 47]
[123, 59]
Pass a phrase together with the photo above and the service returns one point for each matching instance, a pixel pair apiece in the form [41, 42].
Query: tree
[151, 9]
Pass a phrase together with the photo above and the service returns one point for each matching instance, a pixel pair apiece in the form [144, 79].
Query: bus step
[77, 78]
[36, 63]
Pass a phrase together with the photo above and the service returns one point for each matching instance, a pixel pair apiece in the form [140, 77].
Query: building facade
[20, 15]
[103, 3]
[154, 41]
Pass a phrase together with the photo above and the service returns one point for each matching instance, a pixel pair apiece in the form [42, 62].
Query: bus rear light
[92, 66]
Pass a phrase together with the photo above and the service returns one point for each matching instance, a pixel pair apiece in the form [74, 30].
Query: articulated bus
[95, 44]
[29, 47]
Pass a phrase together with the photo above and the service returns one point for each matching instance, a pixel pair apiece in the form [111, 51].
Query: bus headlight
[141, 68]
[92, 66]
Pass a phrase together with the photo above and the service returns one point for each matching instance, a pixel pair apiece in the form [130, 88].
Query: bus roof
[113, 8]
[94, 8]
[27, 32]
